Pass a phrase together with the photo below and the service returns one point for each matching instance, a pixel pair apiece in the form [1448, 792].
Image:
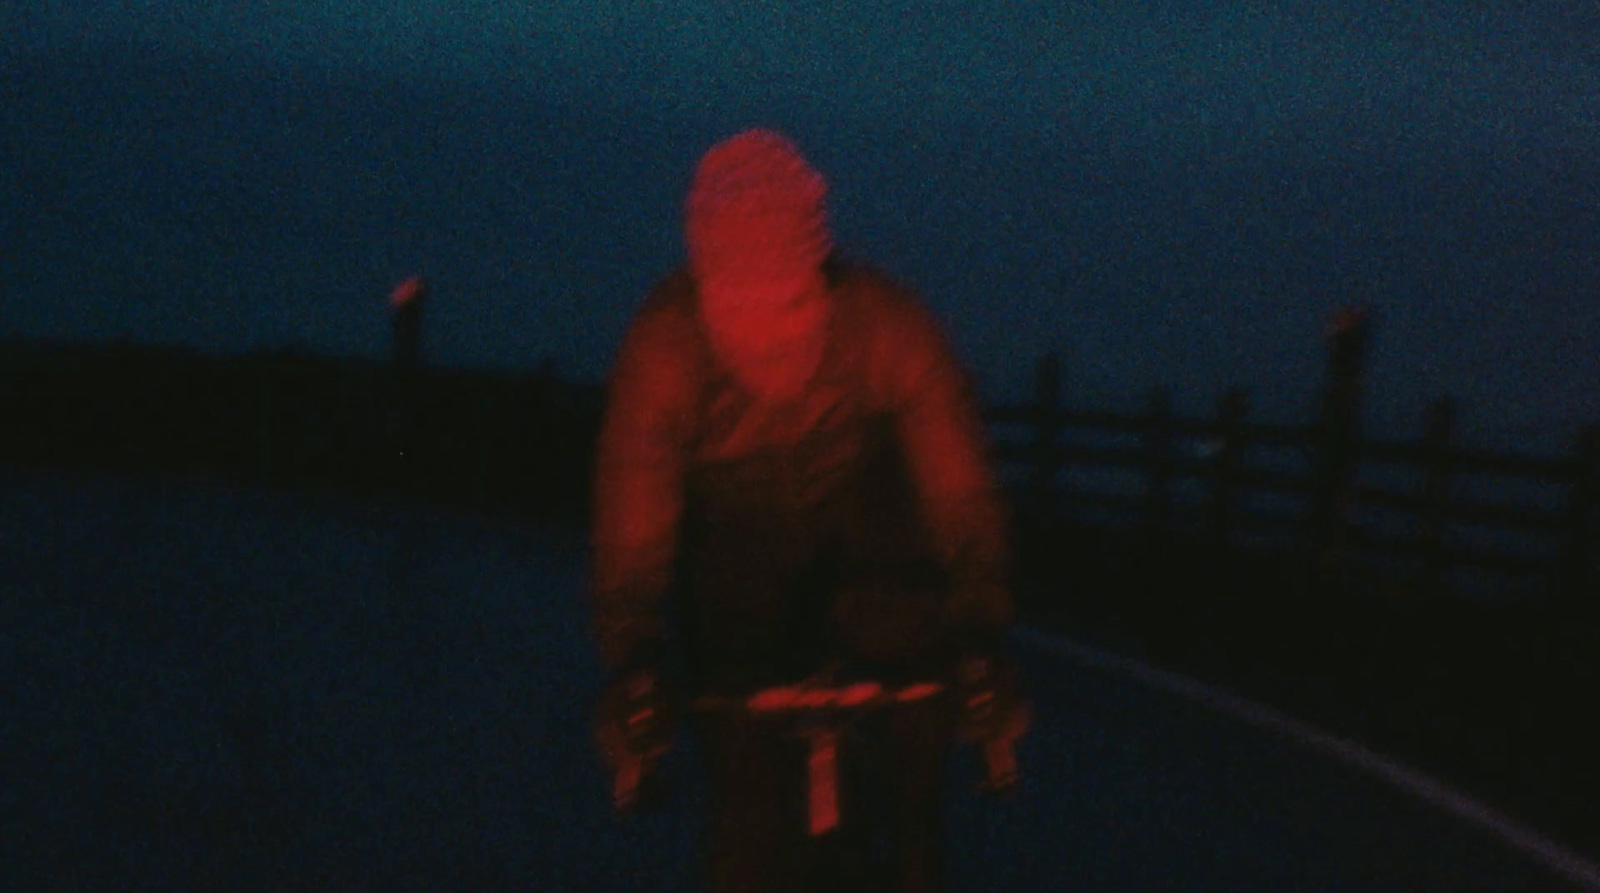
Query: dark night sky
[1174, 192]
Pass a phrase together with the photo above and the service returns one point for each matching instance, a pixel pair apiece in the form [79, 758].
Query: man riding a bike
[791, 477]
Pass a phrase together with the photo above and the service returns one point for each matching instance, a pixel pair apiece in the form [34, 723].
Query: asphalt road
[208, 688]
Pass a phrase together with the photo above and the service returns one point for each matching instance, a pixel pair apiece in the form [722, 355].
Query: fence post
[1583, 529]
[1435, 492]
[406, 304]
[1231, 411]
[1158, 447]
[266, 414]
[1047, 430]
[1340, 439]
[481, 411]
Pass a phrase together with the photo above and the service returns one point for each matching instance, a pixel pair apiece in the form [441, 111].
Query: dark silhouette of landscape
[1490, 695]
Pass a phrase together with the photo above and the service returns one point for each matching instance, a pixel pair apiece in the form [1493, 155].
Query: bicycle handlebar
[800, 699]
[825, 702]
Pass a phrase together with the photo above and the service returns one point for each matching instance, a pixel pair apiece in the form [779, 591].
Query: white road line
[1531, 843]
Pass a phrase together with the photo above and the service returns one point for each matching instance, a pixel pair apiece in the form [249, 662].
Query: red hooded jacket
[861, 515]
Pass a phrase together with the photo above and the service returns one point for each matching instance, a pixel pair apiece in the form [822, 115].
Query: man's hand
[634, 723]
[994, 715]
[992, 705]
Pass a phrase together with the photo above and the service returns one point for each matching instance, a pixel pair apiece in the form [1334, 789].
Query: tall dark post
[1578, 585]
[406, 304]
[1435, 493]
[483, 410]
[265, 415]
[1340, 436]
[1158, 452]
[1047, 429]
[1231, 411]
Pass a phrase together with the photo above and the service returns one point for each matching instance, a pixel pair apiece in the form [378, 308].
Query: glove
[992, 705]
[993, 713]
[634, 722]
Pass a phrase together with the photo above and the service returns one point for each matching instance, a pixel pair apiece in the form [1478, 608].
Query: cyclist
[790, 472]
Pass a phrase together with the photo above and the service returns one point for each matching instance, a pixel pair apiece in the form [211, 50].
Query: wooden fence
[1231, 483]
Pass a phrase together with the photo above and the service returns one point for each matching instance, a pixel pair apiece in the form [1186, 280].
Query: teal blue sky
[1174, 192]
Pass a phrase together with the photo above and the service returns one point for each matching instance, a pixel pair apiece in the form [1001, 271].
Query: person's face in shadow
[769, 333]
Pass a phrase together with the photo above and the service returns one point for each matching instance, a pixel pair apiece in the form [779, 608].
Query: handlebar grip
[1000, 759]
[823, 776]
[625, 784]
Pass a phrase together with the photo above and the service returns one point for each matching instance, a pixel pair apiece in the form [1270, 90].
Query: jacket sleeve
[941, 433]
[640, 459]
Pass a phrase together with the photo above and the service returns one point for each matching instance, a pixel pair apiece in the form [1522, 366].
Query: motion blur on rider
[791, 473]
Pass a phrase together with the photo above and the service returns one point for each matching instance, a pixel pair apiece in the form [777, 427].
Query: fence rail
[1162, 453]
